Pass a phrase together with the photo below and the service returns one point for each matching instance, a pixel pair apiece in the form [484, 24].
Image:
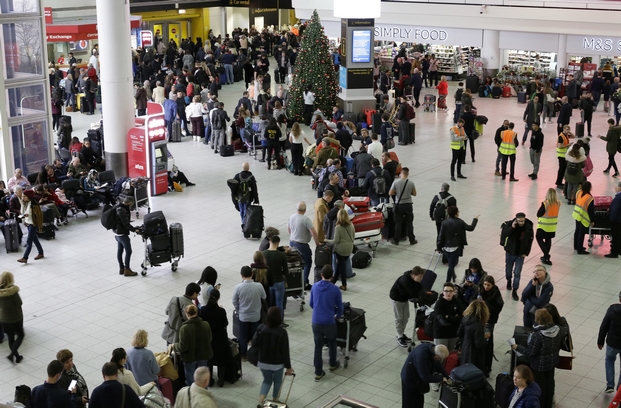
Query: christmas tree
[313, 67]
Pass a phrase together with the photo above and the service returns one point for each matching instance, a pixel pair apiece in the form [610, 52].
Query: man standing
[517, 238]
[327, 305]
[375, 149]
[498, 141]
[362, 164]
[536, 295]
[301, 230]
[112, 393]
[277, 269]
[564, 115]
[404, 122]
[612, 145]
[176, 312]
[49, 394]
[507, 150]
[170, 113]
[532, 114]
[247, 298]
[562, 145]
[439, 204]
[322, 206]
[406, 287]
[227, 60]
[403, 189]
[121, 234]
[536, 145]
[417, 84]
[614, 214]
[422, 367]
[610, 331]
[376, 183]
[247, 191]
[218, 126]
[458, 148]
[196, 395]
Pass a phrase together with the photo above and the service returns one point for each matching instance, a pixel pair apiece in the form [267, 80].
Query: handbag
[167, 368]
[252, 355]
[566, 362]
[475, 134]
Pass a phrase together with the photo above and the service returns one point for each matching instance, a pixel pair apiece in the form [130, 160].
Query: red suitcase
[451, 362]
[370, 113]
[602, 203]
[506, 92]
[420, 333]
[166, 386]
[368, 221]
[358, 204]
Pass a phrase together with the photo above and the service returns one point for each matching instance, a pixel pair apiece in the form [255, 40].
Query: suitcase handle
[433, 256]
[290, 386]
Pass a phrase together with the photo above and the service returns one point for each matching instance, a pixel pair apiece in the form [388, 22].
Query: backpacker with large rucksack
[440, 211]
[244, 194]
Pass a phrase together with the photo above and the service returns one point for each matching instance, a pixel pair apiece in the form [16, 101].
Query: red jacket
[442, 88]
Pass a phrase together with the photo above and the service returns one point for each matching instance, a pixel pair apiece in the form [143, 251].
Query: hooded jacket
[472, 332]
[326, 302]
[529, 398]
[537, 295]
[10, 305]
[543, 346]
[405, 288]
[610, 329]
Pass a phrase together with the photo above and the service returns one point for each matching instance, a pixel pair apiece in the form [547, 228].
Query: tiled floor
[75, 299]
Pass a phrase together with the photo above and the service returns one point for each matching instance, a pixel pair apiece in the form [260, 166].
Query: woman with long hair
[259, 273]
[546, 225]
[11, 315]
[493, 299]
[343, 242]
[574, 175]
[125, 376]
[207, 282]
[215, 315]
[472, 333]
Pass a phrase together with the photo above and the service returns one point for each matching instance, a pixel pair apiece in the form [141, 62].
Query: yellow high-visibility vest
[507, 146]
[581, 209]
[547, 222]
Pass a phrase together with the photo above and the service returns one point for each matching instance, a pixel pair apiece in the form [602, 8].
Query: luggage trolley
[350, 329]
[161, 242]
[601, 227]
[295, 277]
[368, 229]
[138, 188]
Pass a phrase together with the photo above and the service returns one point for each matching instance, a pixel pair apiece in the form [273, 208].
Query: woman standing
[548, 104]
[469, 117]
[473, 334]
[125, 376]
[433, 70]
[207, 282]
[546, 224]
[448, 315]
[141, 361]
[195, 110]
[11, 316]
[281, 120]
[343, 242]
[79, 393]
[33, 220]
[542, 351]
[584, 211]
[260, 273]
[442, 88]
[473, 279]
[215, 315]
[69, 91]
[452, 239]
[493, 299]
[296, 137]
[526, 393]
[272, 136]
[194, 343]
[309, 105]
[574, 175]
[273, 343]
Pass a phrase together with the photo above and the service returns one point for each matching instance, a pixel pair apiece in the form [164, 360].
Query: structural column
[561, 59]
[490, 53]
[116, 79]
[223, 17]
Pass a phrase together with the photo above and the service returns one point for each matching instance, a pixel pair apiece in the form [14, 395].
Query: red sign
[137, 152]
[173, 30]
[146, 38]
[48, 15]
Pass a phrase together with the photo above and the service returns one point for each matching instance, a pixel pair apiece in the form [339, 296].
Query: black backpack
[379, 183]
[243, 191]
[109, 217]
[439, 212]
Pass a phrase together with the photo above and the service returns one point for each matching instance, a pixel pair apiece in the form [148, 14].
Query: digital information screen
[361, 46]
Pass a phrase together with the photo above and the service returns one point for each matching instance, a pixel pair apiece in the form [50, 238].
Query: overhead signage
[48, 15]
[429, 35]
[360, 78]
[146, 38]
[360, 22]
[593, 45]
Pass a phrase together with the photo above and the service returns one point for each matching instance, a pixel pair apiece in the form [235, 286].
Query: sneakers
[402, 342]
[318, 377]
[307, 286]
[609, 390]
[336, 366]
[514, 295]
[409, 340]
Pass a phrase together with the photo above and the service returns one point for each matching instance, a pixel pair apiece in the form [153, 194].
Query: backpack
[379, 183]
[572, 168]
[319, 129]
[243, 191]
[109, 217]
[439, 212]
[409, 112]
[217, 121]
[458, 94]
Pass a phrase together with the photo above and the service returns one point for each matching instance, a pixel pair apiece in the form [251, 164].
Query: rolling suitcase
[468, 376]
[412, 132]
[472, 83]
[236, 329]
[84, 106]
[451, 362]
[176, 132]
[602, 203]
[483, 398]
[521, 97]
[176, 240]
[277, 403]
[48, 230]
[349, 117]
[358, 204]
[238, 74]
[504, 388]
[166, 386]
[227, 150]
[368, 221]
[233, 371]
[253, 222]
[96, 146]
[154, 224]
[11, 235]
[222, 78]
[579, 129]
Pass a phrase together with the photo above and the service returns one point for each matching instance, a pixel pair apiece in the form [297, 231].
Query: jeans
[70, 100]
[535, 158]
[404, 211]
[32, 238]
[457, 112]
[611, 358]
[324, 333]
[498, 160]
[123, 243]
[518, 261]
[189, 368]
[242, 210]
[218, 138]
[343, 263]
[246, 332]
[269, 377]
[277, 294]
[307, 256]
[402, 316]
[230, 78]
[12, 330]
[453, 259]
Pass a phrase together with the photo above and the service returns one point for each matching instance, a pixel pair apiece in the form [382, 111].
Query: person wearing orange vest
[507, 147]
[584, 212]
[458, 137]
[562, 145]
[546, 226]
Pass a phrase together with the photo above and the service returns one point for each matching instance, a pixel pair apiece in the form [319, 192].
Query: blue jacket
[529, 295]
[416, 80]
[529, 398]
[326, 302]
[615, 209]
[170, 110]
[421, 366]
[51, 395]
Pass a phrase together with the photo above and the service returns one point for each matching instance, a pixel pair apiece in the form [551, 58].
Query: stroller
[161, 242]
[429, 103]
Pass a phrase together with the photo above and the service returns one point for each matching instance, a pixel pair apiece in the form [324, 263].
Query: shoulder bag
[253, 352]
[566, 362]
[394, 208]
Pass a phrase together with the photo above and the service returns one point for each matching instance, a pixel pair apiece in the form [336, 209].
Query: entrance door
[259, 22]
[174, 32]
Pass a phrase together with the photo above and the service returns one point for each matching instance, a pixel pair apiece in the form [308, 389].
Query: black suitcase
[84, 106]
[176, 240]
[469, 376]
[253, 222]
[580, 129]
[377, 123]
[472, 83]
[238, 74]
[357, 326]
[93, 134]
[236, 330]
[520, 334]
[349, 117]
[11, 235]
[227, 150]
[158, 257]
[504, 388]
[323, 256]
[388, 231]
[160, 242]
[521, 97]
[48, 229]
[154, 224]
[482, 91]
[233, 370]
[484, 398]
[97, 147]
[176, 132]
[412, 129]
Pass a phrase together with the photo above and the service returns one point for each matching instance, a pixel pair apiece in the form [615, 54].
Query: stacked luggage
[368, 223]
[295, 276]
[350, 329]
[468, 388]
[601, 221]
[163, 243]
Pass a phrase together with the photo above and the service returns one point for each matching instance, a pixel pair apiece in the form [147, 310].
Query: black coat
[564, 114]
[216, 317]
[610, 329]
[472, 333]
[405, 288]
[517, 241]
[453, 233]
[421, 367]
[495, 303]
[448, 318]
